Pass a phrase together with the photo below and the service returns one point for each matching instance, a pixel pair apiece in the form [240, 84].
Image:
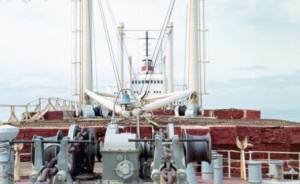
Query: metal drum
[218, 169]
[198, 150]
[207, 170]
[6, 163]
[255, 172]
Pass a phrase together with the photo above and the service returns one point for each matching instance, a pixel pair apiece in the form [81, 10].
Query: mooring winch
[172, 154]
[80, 155]
[55, 159]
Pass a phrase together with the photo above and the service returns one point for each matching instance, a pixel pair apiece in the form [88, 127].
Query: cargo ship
[146, 112]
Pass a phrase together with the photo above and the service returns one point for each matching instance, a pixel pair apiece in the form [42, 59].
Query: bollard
[218, 169]
[6, 163]
[254, 172]
[207, 170]
[276, 169]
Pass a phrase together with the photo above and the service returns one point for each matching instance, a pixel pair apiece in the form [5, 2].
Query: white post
[121, 54]
[164, 76]
[169, 31]
[298, 165]
[218, 169]
[229, 165]
[87, 70]
[130, 72]
[193, 48]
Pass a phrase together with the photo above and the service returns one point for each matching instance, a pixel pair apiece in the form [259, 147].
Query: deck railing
[36, 109]
[292, 159]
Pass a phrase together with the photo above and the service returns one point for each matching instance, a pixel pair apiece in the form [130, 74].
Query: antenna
[147, 44]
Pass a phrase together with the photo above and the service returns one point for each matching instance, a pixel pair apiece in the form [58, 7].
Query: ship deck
[25, 168]
[264, 134]
[160, 121]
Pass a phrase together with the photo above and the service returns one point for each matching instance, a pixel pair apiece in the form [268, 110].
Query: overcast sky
[253, 49]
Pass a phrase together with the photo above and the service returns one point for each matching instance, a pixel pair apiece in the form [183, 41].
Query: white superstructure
[140, 83]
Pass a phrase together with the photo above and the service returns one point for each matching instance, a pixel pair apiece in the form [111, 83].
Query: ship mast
[194, 68]
[169, 32]
[82, 52]
[120, 53]
[87, 71]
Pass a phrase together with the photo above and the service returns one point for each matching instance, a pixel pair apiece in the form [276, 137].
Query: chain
[168, 173]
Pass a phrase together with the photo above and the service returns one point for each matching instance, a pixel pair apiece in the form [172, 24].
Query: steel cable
[117, 77]
[160, 39]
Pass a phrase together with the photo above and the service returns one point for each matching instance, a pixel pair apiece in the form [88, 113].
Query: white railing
[230, 160]
[250, 155]
[290, 160]
[36, 109]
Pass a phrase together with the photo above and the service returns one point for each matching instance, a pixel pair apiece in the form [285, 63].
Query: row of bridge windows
[155, 92]
[147, 81]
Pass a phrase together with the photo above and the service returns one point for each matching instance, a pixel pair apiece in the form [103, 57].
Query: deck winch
[172, 155]
[72, 158]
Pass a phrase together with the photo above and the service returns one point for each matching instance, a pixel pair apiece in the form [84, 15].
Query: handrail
[265, 160]
[40, 107]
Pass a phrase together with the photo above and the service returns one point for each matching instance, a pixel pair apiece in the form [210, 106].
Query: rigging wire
[160, 39]
[109, 45]
[111, 13]
[163, 47]
[124, 46]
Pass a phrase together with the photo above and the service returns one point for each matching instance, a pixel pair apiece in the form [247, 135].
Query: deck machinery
[126, 158]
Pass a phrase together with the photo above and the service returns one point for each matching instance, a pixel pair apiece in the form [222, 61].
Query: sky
[252, 46]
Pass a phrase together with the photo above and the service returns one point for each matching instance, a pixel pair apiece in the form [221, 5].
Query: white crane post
[121, 54]
[87, 70]
[164, 76]
[130, 72]
[169, 31]
[193, 48]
